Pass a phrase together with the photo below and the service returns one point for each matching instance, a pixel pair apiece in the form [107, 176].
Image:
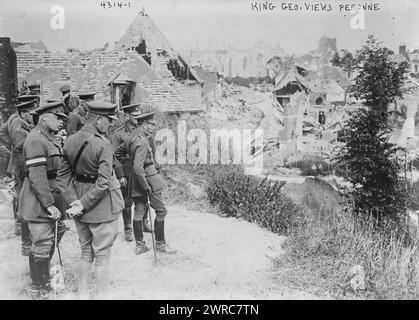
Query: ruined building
[140, 68]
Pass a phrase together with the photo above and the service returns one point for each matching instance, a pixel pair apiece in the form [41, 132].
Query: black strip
[66, 171]
[76, 160]
[51, 175]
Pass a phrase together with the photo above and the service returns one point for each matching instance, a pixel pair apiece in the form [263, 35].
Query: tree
[336, 60]
[380, 79]
[373, 164]
[348, 63]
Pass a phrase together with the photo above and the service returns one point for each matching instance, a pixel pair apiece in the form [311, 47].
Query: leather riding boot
[138, 230]
[26, 238]
[126, 215]
[42, 268]
[161, 245]
[140, 246]
[35, 285]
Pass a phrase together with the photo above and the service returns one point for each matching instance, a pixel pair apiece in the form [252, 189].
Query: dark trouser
[141, 211]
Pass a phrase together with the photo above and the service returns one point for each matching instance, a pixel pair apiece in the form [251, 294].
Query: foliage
[373, 165]
[380, 79]
[253, 199]
[347, 62]
[326, 249]
[312, 166]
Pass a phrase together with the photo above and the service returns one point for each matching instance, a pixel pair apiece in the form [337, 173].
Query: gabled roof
[143, 28]
[294, 76]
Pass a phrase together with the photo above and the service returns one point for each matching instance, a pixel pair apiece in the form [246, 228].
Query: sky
[216, 24]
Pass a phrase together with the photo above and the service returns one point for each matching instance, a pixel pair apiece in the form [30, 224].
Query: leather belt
[86, 178]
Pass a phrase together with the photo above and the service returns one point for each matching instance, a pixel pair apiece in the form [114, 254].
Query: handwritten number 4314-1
[109, 4]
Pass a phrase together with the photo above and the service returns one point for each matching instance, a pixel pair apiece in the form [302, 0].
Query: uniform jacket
[144, 174]
[7, 129]
[102, 199]
[119, 136]
[77, 119]
[18, 139]
[42, 154]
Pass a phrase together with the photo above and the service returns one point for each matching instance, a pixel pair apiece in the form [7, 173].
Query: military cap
[130, 108]
[103, 108]
[28, 97]
[139, 115]
[88, 95]
[52, 107]
[64, 88]
[28, 105]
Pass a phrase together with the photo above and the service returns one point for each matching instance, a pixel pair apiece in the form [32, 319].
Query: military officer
[18, 137]
[77, 117]
[89, 184]
[70, 101]
[145, 184]
[41, 203]
[6, 132]
[120, 135]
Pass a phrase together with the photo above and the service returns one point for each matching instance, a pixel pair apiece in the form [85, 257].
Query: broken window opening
[179, 69]
[141, 48]
[123, 94]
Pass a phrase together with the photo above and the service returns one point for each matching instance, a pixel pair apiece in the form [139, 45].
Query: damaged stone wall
[290, 136]
[93, 71]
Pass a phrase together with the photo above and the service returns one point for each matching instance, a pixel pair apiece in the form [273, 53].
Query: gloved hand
[54, 213]
[76, 209]
[147, 191]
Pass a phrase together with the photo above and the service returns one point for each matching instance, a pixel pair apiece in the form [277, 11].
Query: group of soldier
[82, 159]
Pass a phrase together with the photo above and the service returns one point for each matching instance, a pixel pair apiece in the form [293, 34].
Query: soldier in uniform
[77, 118]
[18, 137]
[145, 185]
[41, 203]
[89, 184]
[6, 133]
[70, 101]
[120, 135]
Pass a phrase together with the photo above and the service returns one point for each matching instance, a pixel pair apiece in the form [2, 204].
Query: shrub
[312, 166]
[251, 199]
[328, 248]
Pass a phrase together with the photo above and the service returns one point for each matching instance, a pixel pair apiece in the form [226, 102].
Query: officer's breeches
[42, 236]
[156, 202]
[96, 240]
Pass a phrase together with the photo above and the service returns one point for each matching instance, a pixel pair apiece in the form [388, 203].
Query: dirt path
[218, 258]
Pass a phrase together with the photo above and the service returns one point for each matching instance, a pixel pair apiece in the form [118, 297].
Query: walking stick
[55, 277]
[152, 231]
